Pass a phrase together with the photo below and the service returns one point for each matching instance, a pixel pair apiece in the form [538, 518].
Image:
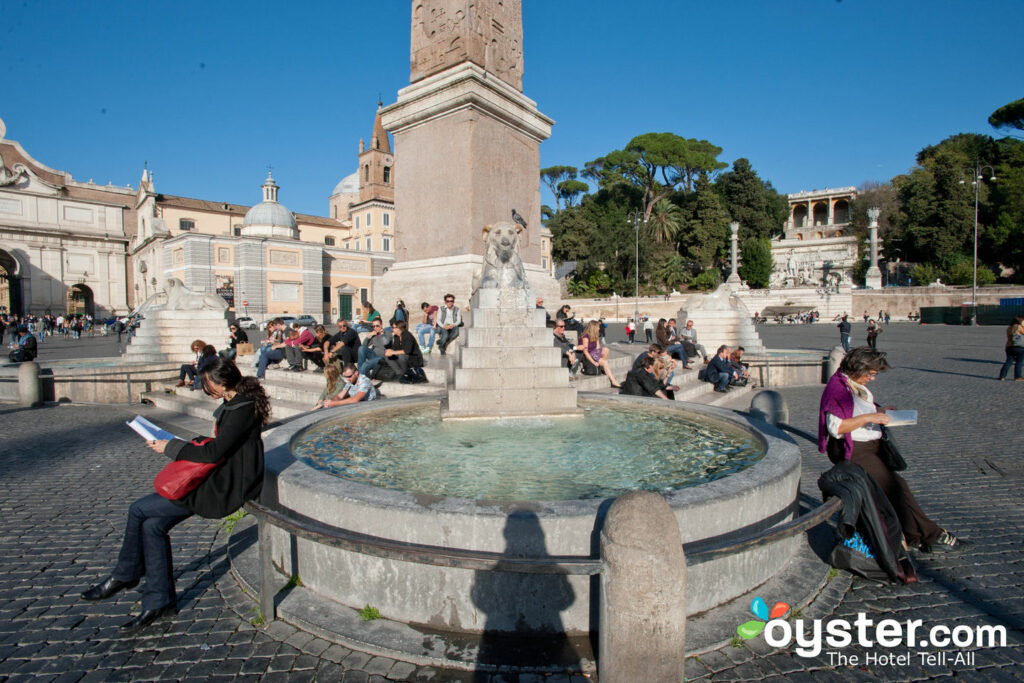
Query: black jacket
[30, 347]
[867, 510]
[639, 382]
[238, 443]
[410, 347]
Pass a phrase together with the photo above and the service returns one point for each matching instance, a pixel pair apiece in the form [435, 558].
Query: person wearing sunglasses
[357, 388]
[371, 353]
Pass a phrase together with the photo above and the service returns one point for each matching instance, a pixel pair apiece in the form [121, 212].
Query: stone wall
[901, 300]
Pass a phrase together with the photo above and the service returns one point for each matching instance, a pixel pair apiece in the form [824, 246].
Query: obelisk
[467, 151]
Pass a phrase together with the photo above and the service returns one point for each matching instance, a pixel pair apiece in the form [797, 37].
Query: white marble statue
[181, 298]
[503, 266]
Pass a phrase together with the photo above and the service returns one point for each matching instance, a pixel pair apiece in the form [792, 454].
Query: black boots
[147, 617]
[107, 588]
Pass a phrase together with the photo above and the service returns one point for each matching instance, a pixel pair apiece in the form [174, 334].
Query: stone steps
[198, 404]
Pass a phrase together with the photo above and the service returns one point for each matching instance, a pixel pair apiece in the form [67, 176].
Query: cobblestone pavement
[67, 475]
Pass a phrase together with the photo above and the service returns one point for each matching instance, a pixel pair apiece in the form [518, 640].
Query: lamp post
[978, 177]
[635, 217]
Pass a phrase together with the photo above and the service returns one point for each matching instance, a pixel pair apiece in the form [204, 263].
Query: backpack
[413, 376]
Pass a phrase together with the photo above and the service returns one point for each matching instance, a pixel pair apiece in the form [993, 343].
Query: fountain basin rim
[281, 463]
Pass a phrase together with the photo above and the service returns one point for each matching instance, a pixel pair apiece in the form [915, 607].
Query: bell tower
[377, 165]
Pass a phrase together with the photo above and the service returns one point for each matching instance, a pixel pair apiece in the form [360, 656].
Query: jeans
[146, 549]
[678, 348]
[187, 371]
[368, 360]
[268, 356]
[650, 335]
[845, 340]
[446, 337]
[719, 379]
[422, 329]
[294, 356]
[1014, 357]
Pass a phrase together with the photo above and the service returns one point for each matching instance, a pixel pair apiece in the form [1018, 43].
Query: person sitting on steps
[719, 370]
[595, 356]
[570, 359]
[449, 319]
[642, 380]
[357, 387]
[403, 352]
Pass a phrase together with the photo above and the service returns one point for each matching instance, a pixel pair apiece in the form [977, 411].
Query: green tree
[707, 231]
[705, 280]
[666, 220]
[671, 272]
[1009, 116]
[552, 176]
[570, 191]
[753, 202]
[756, 268]
[656, 163]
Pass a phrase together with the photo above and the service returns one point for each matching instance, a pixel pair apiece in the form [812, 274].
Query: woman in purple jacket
[849, 428]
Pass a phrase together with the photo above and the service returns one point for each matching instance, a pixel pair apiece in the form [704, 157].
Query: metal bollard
[30, 390]
[769, 406]
[643, 592]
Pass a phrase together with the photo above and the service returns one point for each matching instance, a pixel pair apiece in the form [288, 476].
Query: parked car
[246, 323]
[305, 320]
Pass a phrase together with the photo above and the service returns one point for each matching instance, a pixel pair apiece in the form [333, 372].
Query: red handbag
[179, 478]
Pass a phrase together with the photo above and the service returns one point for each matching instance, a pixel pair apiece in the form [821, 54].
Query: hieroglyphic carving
[488, 33]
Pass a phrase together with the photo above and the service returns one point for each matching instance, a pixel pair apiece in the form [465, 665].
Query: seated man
[688, 336]
[343, 345]
[371, 353]
[449, 318]
[357, 388]
[719, 370]
[25, 348]
[272, 350]
[655, 351]
[740, 374]
[316, 351]
[641, 380]
[569, 357]
[293, 347]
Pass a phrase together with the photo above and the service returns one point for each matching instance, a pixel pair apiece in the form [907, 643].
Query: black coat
[238, 443]
[867, 510]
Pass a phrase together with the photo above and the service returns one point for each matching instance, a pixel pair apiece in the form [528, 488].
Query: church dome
[270, 213]
[348, 185]
[270, 218]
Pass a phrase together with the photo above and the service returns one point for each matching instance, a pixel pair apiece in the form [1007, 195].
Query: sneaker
[946, 542]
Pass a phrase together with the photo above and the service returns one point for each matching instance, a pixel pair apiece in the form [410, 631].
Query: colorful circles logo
[752, 629]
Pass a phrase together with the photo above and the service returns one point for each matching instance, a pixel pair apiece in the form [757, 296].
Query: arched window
[387, 174]
[366, 173]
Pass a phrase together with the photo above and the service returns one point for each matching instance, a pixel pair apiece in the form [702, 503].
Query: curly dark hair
[226, 373]
[863, 359]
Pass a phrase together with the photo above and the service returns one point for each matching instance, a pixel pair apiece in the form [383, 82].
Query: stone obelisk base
[508, 365]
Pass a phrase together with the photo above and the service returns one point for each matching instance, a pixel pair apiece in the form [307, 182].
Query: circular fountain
[509, 461]
[754, 491]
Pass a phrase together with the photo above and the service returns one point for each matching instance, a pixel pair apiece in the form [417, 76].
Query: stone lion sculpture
[503, 266]
[181, 298]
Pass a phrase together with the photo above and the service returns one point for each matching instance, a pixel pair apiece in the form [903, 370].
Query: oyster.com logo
[752, 629]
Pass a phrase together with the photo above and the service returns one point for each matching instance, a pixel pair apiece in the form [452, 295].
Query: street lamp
[635, 217]
[978, 177]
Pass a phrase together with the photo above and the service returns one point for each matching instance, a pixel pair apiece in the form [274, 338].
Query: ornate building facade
[80, 247]
[816, 249]
[62, 242]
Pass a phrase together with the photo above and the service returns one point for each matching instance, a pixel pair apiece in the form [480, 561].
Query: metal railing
[304, 527]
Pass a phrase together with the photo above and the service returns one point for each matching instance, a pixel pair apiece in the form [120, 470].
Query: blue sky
[815, 93]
